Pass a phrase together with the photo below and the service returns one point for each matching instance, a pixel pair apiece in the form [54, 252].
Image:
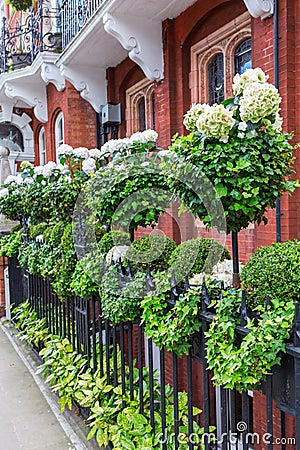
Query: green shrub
[10, 243]
[273, 271]
[155, 249]
[112, 238]
[193, 256]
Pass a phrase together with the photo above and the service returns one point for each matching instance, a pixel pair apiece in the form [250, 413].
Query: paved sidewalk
[26, 419]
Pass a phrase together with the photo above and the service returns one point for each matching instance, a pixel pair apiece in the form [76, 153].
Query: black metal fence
[74, 15]
[22, 42]
[265, 419]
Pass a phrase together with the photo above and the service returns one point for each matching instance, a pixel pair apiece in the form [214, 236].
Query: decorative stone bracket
[34, 94]
[50, 73]
[260, 8]
[90, 81]
[142, 38]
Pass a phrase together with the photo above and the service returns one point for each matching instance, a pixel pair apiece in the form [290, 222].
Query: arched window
[243, 57]
[59, 131]
[140, 107]
[217, 58]
[42, 146]
[215, 75]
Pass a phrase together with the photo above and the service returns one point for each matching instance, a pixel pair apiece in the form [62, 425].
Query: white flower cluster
[258, 101]
[116, 253]
[4, 192]
[241, 81]
[222, 271]
[117, 147]
[89, 165]
[216, 121]
[193, 114]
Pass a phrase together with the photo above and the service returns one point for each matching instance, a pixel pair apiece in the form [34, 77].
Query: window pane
[42, 147]
[142, 114]
[153, 111]
[242, 57]
[216, 79]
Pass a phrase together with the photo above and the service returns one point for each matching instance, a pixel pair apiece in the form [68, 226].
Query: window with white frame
[217, 58]
[59, 131]
[140, 107]
[42, 146]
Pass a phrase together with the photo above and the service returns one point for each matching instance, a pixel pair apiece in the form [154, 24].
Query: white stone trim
[34, 94]
[260, 8]
[50, 73]
[142, 38]
[89, 81]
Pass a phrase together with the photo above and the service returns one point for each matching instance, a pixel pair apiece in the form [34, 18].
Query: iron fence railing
[22, 42]
[236, 418]
[74, 15]
[46, 29]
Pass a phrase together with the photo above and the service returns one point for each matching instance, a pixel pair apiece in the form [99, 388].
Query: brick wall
[79, 121]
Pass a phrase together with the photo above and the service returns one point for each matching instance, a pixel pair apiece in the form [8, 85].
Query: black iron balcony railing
[46, 29]
[41, 31]
[74, 15]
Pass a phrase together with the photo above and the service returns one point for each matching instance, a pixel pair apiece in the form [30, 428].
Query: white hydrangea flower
[216, 122]
[62, 168]
[149, 136]
[258, 101]
[38, 170]
[241, 135]
[81, 152]
[222, 271]
[28, 180]
[25, 165]
[49, 168]
[193, 114]
[136, 137]
[19, 179]
[116, 253]
[10, 179]
[241, 81]
[95, 153]
[4, 192]
[242, 126]
[89, 166]
[64, 150]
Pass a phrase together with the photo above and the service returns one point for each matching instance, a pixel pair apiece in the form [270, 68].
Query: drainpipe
[276, 84]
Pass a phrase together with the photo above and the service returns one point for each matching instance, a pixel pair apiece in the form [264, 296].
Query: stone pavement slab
[26, 420]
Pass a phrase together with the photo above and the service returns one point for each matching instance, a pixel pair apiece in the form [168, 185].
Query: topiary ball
[275, 271]
[195, 255]
[155, 250]
[112, 238]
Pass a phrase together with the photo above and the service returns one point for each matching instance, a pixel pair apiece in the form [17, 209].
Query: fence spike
[204, 296]
[243, 310]
[174, 293]
[120, 267]
[150, 285]
[128, 270]
[186, 285]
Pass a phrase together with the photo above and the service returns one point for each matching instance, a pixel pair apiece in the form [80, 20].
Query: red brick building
[154, 59]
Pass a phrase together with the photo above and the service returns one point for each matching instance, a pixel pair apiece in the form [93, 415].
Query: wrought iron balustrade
[41, 31]
[74, 15]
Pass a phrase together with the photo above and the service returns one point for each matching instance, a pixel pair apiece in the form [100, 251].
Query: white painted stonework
[142, 38]
[260, 8]
[89, 81]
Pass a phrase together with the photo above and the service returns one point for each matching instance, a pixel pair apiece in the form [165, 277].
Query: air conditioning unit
[111, 114]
